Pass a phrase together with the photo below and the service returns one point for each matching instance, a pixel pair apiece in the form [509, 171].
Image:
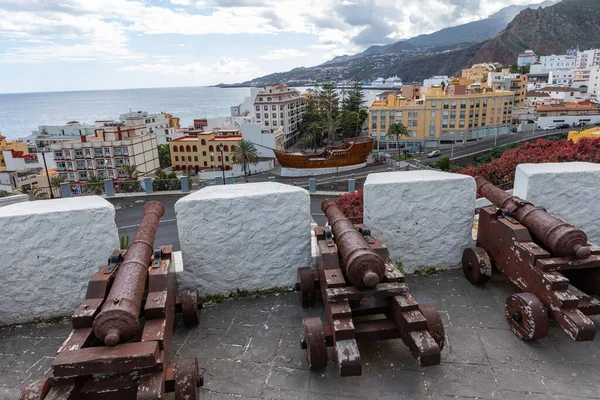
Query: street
[129, 212]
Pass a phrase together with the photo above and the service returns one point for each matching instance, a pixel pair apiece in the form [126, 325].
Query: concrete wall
[423, 217]
[568, 190]
[248, 236]
[6, 201]
[50, 249]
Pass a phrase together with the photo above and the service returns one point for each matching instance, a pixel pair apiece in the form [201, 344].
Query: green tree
[443, 163]
[356, 96]
[525, 69]
[160, 174]
[245, 153]
[164, 155]
[94, 184]
[55, 181]
[4, 193]
[328, 104]
[397, 130]
[25, 189]
[131, 172]
[514, 68]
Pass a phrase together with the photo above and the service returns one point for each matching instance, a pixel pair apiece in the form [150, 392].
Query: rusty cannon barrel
[560, 238]
[119, 319]
[363, 266]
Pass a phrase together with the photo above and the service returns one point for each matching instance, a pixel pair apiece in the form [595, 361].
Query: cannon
[546, 257]
[120, 346]
[365, 299]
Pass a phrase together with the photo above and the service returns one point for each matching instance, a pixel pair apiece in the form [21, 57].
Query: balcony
[59, 158]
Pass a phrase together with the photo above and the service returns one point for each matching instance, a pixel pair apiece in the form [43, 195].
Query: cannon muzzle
[119, 319]
[559, 237]
[363, 266]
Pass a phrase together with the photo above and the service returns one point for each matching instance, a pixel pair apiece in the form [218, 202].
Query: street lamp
[222, 161]
[212, 160]
[41, 149]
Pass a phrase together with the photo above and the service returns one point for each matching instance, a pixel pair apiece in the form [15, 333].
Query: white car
[435, 153]
[549, 128]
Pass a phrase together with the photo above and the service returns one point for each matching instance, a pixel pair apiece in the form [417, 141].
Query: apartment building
[113, 146]
[504, 80]
[162, 124]
[202, 150]
[440, 119]
[581, 77]
[71, 128]
[587, 58]
[525, 58]
[477, 72]
[277, 106]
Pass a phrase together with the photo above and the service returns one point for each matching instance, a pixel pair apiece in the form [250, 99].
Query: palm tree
[315, 127]
[131, 172]
[245, 153]
[397, 130]
[94, 184]
[57, 180]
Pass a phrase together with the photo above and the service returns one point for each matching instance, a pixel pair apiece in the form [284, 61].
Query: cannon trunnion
[365, 299]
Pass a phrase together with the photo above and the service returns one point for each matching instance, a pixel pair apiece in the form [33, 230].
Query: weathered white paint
[423, 217]
[246, 236]
[51, 248]
[19, 198]
[567, 190]
[291, 172]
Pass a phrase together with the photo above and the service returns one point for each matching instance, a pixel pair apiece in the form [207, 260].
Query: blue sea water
[22, 113]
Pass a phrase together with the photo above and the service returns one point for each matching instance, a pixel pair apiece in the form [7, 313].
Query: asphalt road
[129, 212]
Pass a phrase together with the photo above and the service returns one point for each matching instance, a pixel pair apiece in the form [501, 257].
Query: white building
[104, 155]
[276, 106]
[555, 62]
[15, 161]
[563, 94]
[72, 128]
[525, 58]
[581, 77]
[159, 124]
[435, 80]
[594, 82]
[561, 77]
[587, 58]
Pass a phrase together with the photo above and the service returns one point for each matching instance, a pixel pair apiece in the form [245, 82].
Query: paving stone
[236, 377]
[289, 379]
[519, 380]
[397, 381]
[201, 344]
[463, 346]
[9, 394]
[461, 380]
[263, 344]
[217, 317]
[279, 394]
[16, 345]
[13, 379]
[329, 381]
[574, 380]
[6, 360]
[394, 354]
[289, 353]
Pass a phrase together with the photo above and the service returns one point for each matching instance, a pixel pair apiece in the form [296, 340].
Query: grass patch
[429, 271]
[400, 267]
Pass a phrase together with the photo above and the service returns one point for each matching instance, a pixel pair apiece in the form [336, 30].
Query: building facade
[201, 151]
[105, 154]
[440, 119]
[72, 128]
[20, 147]
[277, 106]
[525, 58]
[587, 58]
[164, 125]
[477, 72]
[516, 83]
[594, 85]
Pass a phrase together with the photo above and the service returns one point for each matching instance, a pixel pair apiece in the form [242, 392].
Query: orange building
[201, 150]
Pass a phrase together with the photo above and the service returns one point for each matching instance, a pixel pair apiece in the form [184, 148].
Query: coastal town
[548, 92]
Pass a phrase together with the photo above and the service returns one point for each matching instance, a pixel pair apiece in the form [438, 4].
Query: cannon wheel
[187, 379]
[189, 308]
[477, 265]
[37, 389]
[314, 339]
[306, 286]
[527, 316]
[435, 326]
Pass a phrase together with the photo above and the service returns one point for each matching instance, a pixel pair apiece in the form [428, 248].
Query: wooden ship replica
[353, 151]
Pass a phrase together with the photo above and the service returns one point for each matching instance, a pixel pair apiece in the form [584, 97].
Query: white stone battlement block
[251, 236]
[570, 191]
[50, 250]
[423, 217]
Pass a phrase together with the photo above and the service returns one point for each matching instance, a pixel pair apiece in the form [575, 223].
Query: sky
[62, 45]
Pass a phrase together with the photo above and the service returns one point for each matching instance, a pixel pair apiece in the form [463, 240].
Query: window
[205, 164]
[189, 158]
[453, 105]
[203, 142]
[211, 148]
[399, 115]
[225, 148]
[219, 158]
[195, 149]
[433, 103]
[226, 158]
[257, 108]
[204, 153]
[181, 149]
[433, 114]
[265, 108]
[175, 149]
[266, 115]
[107, 152]
[273, 107]
[188, 148]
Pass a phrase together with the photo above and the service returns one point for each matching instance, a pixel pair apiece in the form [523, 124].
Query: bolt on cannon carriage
[546, 257]
[120, 346]
[365, 299]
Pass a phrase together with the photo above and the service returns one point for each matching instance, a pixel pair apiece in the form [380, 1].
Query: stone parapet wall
[248, 236]
[425, 218]
[51, 248]
[570, 191]
[19, 198]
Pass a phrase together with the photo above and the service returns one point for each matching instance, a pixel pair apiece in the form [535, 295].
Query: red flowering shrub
[351, 205]
[501, 171]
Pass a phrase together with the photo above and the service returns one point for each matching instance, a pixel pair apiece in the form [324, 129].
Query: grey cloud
[375, 18]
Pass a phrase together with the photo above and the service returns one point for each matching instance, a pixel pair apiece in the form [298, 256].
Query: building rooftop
[557, 89]
[537, 94]
[567, 107]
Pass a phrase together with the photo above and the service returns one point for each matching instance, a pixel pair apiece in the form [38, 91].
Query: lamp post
[212, 160]
[222, 161]
[452, 150]
[41, 148]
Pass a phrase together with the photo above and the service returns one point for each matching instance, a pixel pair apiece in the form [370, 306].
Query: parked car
[576, 124]
[597, 123]
[563, 126]
[549, 128]
[515, 129]
[435, 153]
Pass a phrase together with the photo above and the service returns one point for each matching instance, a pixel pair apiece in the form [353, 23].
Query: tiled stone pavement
[250, 349]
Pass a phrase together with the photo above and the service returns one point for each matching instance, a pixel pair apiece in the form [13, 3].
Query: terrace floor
[250, 349]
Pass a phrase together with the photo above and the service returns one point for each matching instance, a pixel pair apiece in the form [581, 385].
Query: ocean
[22, 113]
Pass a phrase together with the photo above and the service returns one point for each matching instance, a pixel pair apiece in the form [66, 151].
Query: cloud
[182, 2]
[279, 54]
[225, 70]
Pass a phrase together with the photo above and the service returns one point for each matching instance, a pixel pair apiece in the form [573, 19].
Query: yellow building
[8, 146]
[478, 72]
[593, 133]
[442, 117]
[201, 150]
